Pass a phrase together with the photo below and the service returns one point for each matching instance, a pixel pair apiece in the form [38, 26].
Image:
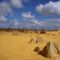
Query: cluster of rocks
[38, 40]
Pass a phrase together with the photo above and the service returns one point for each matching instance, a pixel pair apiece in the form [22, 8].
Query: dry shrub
[43, 32]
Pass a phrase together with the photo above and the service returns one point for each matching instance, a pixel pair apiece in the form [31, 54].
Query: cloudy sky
[30, 14]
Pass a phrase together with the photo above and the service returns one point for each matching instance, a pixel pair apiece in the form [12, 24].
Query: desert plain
[18, 45]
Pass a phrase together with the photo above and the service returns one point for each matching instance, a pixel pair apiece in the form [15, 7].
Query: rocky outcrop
[50, 50]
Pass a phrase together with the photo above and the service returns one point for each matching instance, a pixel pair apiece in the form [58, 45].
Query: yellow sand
[16, 47]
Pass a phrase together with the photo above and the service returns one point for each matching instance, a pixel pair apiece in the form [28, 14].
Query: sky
[32, 14]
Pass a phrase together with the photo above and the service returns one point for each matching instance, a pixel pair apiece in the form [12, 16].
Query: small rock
[37, 49]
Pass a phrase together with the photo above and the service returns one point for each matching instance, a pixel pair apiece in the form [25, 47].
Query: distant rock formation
[43, 32]
[31, 41]
[37, 40]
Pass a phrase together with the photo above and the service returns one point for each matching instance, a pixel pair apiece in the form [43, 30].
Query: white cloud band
[49, 8]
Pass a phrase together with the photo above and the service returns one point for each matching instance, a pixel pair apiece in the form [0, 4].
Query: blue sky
[30, 14]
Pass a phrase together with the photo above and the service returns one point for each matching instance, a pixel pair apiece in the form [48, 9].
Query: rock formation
[50, 50]
[37, 49]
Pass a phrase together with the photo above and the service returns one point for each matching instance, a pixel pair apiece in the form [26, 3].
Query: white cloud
[17, 3]
[49, 8]
[27, 15]
[15, 23]
[49, 23]
[54, 20]
[36, 22]
[5, 8]
[2, 19]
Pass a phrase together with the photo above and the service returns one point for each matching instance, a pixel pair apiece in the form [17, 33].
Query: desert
[17, 45]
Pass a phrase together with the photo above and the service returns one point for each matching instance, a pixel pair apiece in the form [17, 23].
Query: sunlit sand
[19, 46]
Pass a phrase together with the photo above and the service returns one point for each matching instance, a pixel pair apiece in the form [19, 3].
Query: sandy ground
[16, 47]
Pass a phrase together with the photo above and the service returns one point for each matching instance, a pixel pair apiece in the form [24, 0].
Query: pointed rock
[58, 48]
[37, 49]
[39, 40]
[49, 50]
